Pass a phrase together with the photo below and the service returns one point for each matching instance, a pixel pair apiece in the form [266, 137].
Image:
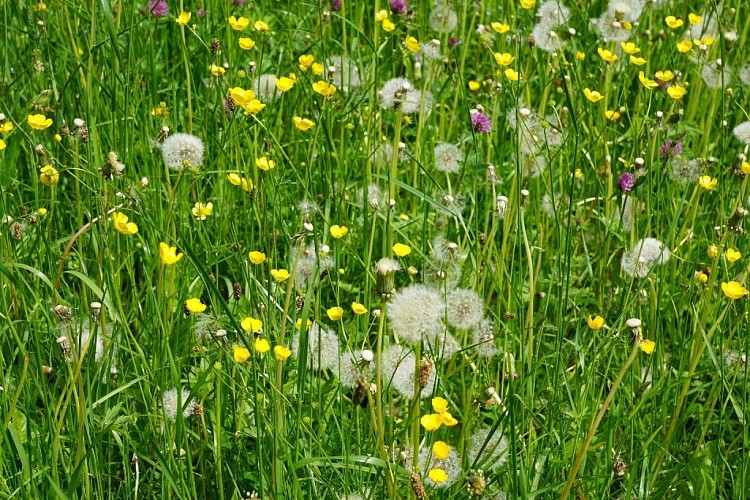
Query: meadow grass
[241, 260]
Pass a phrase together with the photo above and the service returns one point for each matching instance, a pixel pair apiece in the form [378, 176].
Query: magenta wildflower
[201, 12]
[452, 42]
[335, 5]
[158, 8]
[481, 122]
[238, 3]
[670, 149]
[626, 182]
[398, 7]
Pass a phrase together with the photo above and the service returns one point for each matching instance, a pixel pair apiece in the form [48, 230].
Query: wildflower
[606, 55]
[280, 275]
[443, 18]
[284, 84]
[440, 405]
[694, 19]
[473, 85]
[168, 255]
[303, 124]
[401, 250]
[38, 122]
[261, 345]
[194, 305]
[411, 326]
[580, 56]
[298, 324]
[324, 88]
[217, 70]
[281, 353]
[183, 18]
[202, 210]
[742, 132]
[241, 96]
[393, 92]
[431, 422]
[305, 61]
[171, 403]
[2, 144]
[643, 257]
[241, 354]
[647, 82]
[528, 4]
[733, 290]
[500, 27]
[511, 74]
[638, 61]
[464, 308]
[358, 308]
[48, 175]
[179, 150]
[707, 182]
[398, 7]
[122, 225]
[438, 475]
[732, 255]
[441, 473]
[594, 96]
[381, 15]
[338, 232]
[158, 8]
[673, 22]
[629, 48]
[504, 59]
[647, 346]
[448, 158]
[684, 46]
[745, 167]
[322, 348]
[335, 313]
[265, 164]
[701, 277]
[6, 126]
[481, 122]
[238, 24]
[260, 26]
[246, 43]
[256, 257]
[254, 107]
[595, 322]
[612, 115]
[488, 451]
[388, 25]
[412, 44]
[626, 182]
[712, 252]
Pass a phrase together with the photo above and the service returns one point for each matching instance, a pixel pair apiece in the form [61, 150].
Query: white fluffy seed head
[181, 149]
[451, 465]
[416, 312]
[646, 254]
[742, 132]
[172, 403]
[322, 348]
[465, 308]
[488, 451]
[448, 158]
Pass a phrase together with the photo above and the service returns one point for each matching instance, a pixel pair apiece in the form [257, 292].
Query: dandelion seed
[353, 367]
[322, 348]
[742, 132]
[464, 308]
[646, 254]
[448, 158]
[415, 313]
[173, 403]
[179, 150]
[443, 18]
[441, 473]
[343, 73]
[399, 372]
[488, 451]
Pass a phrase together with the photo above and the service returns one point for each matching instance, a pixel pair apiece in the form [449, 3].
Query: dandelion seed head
[465, 308]
[387, 266]
[683, 170]
[400, 373]
[546, 39]
[415, 313]
[343, 73]
[443, 18]
[322, 348]
[309, 266]
[265, 88]
[451, 465]
[742, 132]
[643, 257]
[417, 101]
[552, 13]
[352, 368]
[393, 92]
[716, 76]
[611, 30]
[448, 158]
[181, 149]
[483, 339]
[171, 402]
[488, 451]
[625, 10]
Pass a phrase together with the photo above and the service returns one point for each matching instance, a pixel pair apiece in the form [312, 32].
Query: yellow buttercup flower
[238, 24]
[593, 96]
[7, 126]
[48, 175]
[528, 4]
[260, 26]
[595, 322]
[335, 313]
[606, 55]
[647, 82]
[305, 61]
[431, 422]
[701, 277]
[251, 325]
[338, 231]
[712, 252]
[441, 450]
[261, 345]
[38, 122]
[401, 250]
[241, 354]
[733, 290]
[664, 76]
[183, 18]
[684, 46]
[318, 69]
[439, 404]
[647, 346]
[439, 475]
[473, 85]
[412, 44]
[280, 275]
[612, 115]
[504, 59]
[234, 179]
[298, 324]
[448, 419]
[246, 43]
[122, 225]
[694, 19]
[195, 306]
[217, 70]
[303, 124]
[673, 22]
[324, 88]
[284, 84]
[500, 27]
[511, 74]
[707, 182]
[254, 107]
[580, 56]
[745, 168]
[358, 308]
[241, 96]
[256, 257]
[202, 210]
[676, 92]
[387, 25]
[265, 164]
[381, 15]
[2, 144]
[281, 352]
[732, 255]
[629, 48]
[638, 61]
[168, 255]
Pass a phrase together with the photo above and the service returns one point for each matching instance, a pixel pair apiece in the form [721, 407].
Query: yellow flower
[441, 450]
[745, 168]
[707, 182]
[41, 6]
[647, 82]
[595, 322]
[673, 22]
[254, 107]
[504, 59]
[318, 69]
[256, 257]
[358, 308]
[701, 277]
[234, 179]
[265, 164]
[121, 223]
[528, 4]
[217, 70]
[195, 305]
[629, 48]
[335, 313]
[431, 422]
[280, 275]
[439, 475]
[733, 290]
[511, 74]
[298, 324]
[2, 144]
[500, 27]
[387, 25]
[448, 419]
[241, 96]
[261, 345]
[684, 46]
[580, 56]
[473, 85]
[694, 19]
[183, 18]
[647, 346]
[606, 55]
[241, 354]
[246, 43]
[305, 61]
[712, 252]
[251, 325]
[381, 15]
[238, 24]
[284, 83]
[612, 115]
[202, 210]
[38, 122]
[594, 96]
[676, 92]
[324, 88]
[281, 352]
[732, 255]
[664, 76]
[6, 127]
[439, 404]
[638, 61]
[168, 255]
[401, 250]
[303, 124]
[260, 26]
[412, 44]
[48, 175]
[339, 231]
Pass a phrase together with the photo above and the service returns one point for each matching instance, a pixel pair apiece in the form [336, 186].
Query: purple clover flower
[238, 3]
[670, 149]
[481, 122]
[158, 8]
[626, 182]
[335, 5]
[453, 41]
[398, 7]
